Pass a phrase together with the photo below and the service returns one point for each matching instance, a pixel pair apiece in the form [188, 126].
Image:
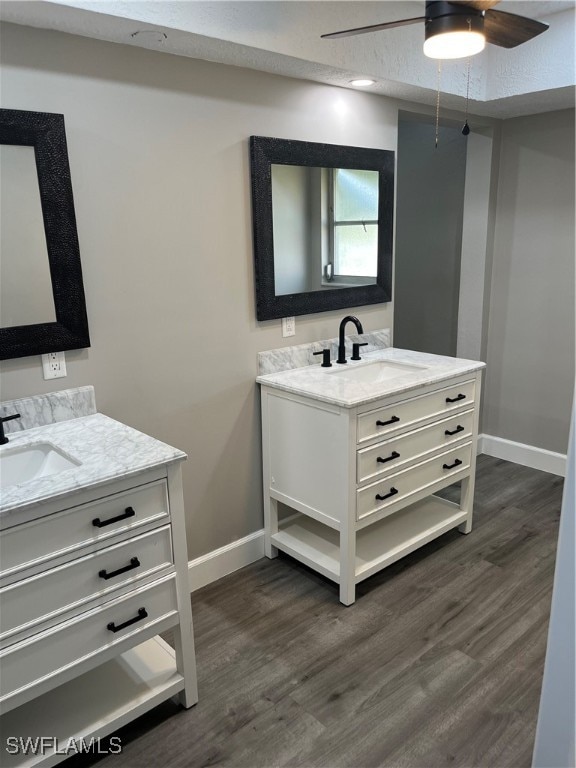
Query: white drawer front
[82, 639]
[119, 515]
[402, 484]
[383, 458]
[94, 579]
[392, 418]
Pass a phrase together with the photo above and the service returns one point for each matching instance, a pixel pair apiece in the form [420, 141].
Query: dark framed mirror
[42, 302]
[322, 219]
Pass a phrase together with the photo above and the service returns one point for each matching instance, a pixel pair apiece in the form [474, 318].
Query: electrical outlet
[288, 326]
[54, 365]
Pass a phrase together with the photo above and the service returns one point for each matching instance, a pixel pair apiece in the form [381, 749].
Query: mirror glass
[322, 217]
[25, 285]
[42, 304]
[325, 224]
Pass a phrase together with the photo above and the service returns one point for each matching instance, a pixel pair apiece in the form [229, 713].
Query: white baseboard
[214, 565]
[519, 453]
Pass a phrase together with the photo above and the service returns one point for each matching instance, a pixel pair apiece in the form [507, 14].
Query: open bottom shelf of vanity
[96, 703]
[377, 545]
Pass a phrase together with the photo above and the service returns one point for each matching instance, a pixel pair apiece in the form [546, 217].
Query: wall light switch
[288, 326]
[54, 365]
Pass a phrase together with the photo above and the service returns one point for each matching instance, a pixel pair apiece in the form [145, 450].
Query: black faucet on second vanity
[341, 342]
[3, 438]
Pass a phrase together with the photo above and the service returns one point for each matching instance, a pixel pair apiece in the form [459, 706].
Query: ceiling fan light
[454, 45]
[362, 82]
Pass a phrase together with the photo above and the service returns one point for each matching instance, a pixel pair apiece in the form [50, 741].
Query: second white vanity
[93, 568]
[355, 454]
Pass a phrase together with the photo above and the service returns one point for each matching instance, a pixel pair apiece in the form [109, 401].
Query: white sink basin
[379, 370]
[29, 462]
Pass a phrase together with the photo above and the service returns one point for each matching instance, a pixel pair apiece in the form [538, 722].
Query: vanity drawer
[83, 583]
[80, 641]
[404, 483]
[119, 515]
[382, 458]
[391, 418]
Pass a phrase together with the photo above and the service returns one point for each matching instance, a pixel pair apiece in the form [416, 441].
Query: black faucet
[341, 343]
[3, 438]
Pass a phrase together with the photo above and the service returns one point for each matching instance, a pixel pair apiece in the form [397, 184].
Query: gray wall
[477, 225]
[430, 205]
[158, 150]
[530, 342]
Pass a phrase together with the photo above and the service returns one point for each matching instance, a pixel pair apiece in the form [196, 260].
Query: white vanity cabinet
[359, 481]
[87, 584]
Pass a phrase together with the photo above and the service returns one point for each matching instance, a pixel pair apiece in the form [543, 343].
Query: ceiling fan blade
[373, 28]
[509, 30]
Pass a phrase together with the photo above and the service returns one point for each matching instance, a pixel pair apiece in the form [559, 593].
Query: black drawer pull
[455, 399]
[393, 492]
[393, 455]
[457, 463]
[459, 428]
[142, 614]
[393, 420]
[134, 563]
[128, 512]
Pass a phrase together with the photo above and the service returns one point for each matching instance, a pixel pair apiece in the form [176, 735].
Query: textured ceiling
[283, 37]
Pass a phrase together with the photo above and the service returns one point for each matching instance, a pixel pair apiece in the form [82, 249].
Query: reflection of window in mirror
[354, 225]
[325, 228]
[25, 285]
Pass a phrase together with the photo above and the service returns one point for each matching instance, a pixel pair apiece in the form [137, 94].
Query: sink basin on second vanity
[28, 462]
[379, 370]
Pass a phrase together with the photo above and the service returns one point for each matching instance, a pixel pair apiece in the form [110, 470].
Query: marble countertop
[107, 450]
[335, 385]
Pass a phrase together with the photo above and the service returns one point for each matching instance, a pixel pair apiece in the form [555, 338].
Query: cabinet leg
[184, 632]
[466, 527]
[347, 593]
[348, 563]
[466, 503]
[269, 549]
[186, 663]
[270, 526]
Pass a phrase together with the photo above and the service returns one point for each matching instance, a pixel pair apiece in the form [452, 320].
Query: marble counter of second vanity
[107, 450]
[335, 385]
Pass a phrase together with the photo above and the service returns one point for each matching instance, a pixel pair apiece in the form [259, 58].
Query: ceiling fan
[459, 29]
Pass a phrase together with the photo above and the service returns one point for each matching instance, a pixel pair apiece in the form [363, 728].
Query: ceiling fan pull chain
[466, 127]
[438, 102]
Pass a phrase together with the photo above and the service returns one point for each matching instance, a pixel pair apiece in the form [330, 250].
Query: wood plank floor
[438, 663]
